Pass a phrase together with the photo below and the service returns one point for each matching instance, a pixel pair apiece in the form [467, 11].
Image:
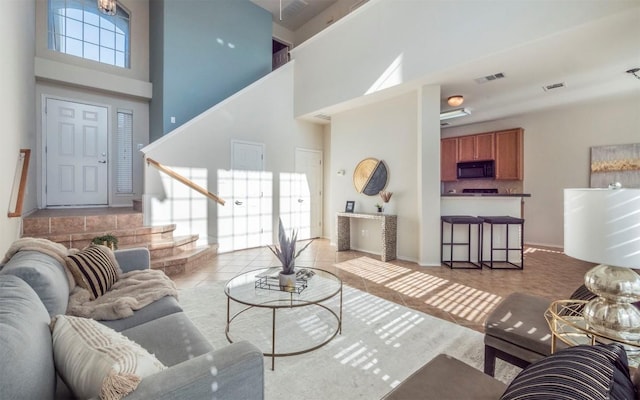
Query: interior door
[76, 155]
[247, 219]
[308, 164]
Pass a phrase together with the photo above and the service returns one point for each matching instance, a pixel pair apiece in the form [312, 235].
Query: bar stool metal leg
[507, 222]
[454, 220]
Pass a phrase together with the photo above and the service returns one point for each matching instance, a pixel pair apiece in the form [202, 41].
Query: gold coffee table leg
[273, 341]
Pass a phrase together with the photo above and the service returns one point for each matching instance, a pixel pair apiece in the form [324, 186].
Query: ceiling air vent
[294, 8]
[489, 78]
[553, 86]
[323, 116]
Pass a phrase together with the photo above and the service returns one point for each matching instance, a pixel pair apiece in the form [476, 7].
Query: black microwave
[476, 169]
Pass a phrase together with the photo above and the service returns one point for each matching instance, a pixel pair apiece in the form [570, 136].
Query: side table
[569, 326]
[388, 228]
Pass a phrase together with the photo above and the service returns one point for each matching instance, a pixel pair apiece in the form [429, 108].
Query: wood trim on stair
[184, 180]
[23, 161]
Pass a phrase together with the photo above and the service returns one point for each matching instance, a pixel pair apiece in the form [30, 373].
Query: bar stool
[507, 222]
[454, 220]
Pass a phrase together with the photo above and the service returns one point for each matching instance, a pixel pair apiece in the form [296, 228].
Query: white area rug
[381, 344]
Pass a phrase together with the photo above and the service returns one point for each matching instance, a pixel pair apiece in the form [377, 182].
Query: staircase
[74, 228]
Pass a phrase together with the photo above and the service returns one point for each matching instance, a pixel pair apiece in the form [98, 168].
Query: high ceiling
[580, 64]
[292, 14]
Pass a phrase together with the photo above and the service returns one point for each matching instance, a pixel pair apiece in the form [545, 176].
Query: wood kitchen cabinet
[509, 146]
[448, 159]
[476, 147]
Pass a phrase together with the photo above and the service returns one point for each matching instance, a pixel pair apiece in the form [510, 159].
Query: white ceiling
[295, 13]
[590, 60]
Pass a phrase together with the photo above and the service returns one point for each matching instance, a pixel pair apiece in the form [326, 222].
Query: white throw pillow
[96, 361]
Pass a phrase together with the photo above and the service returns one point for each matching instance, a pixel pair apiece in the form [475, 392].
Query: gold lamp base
[613, 313]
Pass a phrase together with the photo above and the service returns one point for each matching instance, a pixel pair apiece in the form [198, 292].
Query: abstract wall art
[615, 163]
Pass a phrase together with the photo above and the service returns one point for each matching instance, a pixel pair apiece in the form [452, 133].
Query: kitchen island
[484, 204]
[478, 204]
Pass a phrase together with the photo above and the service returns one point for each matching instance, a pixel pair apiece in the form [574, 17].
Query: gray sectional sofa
[34, 288]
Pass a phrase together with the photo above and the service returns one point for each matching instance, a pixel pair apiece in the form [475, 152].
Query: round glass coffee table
[310, 307]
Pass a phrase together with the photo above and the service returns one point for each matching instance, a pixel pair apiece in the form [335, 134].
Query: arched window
[78, 28]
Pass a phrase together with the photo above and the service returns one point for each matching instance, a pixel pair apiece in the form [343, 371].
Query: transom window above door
[78, 28]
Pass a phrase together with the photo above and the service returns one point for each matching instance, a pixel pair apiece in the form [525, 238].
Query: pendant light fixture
[455, 100]
[107, 6]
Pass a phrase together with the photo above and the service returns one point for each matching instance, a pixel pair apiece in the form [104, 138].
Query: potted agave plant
[286, 253]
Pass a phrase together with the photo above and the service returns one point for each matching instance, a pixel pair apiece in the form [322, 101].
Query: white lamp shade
[603, 226]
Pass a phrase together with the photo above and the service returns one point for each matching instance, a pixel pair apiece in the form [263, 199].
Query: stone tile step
[63, 221]
[132, 237]
[187, 261]
[163, 247]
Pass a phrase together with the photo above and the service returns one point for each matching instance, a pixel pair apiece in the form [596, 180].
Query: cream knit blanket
[132, 291]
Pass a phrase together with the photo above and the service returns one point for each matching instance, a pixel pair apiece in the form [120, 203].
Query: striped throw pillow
[94, 268]
[581, 372]
[97, 362]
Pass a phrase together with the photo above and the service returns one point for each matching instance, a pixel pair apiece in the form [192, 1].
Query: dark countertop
[485, 195]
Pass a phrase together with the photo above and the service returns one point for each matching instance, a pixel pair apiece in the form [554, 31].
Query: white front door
[76, 143]
[309, 201]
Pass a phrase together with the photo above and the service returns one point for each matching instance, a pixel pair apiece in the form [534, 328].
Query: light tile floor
[461, 296]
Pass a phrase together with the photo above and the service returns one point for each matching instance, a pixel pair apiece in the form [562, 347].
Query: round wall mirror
[370, 176]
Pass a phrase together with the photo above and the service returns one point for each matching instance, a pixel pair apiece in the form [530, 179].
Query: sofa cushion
[26, 367]
[97, 361]
[94, 268]
[45, 275]
[172, 338]
[580, 372]
[163, 306]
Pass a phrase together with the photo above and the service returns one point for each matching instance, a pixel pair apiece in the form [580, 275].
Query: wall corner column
[429, 175]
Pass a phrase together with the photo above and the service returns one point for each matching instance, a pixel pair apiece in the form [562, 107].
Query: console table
[388, 224]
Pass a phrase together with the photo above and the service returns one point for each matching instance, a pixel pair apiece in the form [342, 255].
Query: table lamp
[603, 226]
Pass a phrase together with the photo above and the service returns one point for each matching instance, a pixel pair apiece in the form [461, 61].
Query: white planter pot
[287, 282]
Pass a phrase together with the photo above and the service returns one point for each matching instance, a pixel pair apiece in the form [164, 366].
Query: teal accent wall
[156, 68]
[209, 50]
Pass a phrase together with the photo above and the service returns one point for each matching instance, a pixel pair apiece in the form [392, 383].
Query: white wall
[557, 154]
[346, 61]
[262, 112]
[386, 131]
[17, 110]
[321, 21]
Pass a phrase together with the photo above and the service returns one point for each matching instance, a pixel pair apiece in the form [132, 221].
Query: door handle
[300, 201]
[102, 162]
[238, 202]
